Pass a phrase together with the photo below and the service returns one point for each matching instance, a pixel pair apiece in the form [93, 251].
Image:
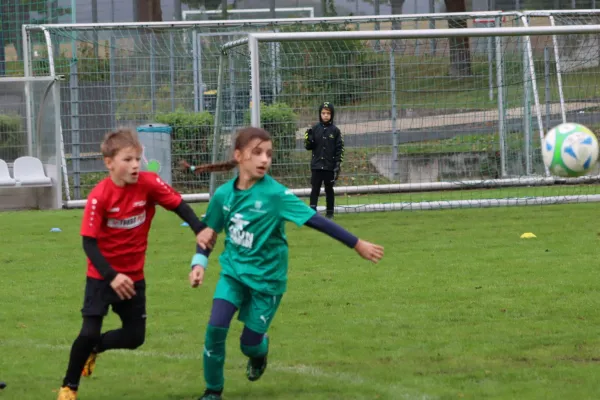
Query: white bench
[28, 187]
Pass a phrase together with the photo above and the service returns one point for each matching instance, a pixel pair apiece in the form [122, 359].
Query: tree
[397, 6]
[148, 10]
[460, 52]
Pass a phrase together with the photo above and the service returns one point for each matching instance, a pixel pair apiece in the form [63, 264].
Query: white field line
[304, 370]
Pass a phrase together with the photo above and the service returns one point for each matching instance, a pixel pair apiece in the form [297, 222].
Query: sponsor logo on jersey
[140, 203]
[127, 223]
[114, 210]
[237, 234]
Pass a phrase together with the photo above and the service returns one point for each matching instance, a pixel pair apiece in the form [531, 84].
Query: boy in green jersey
[252, 210]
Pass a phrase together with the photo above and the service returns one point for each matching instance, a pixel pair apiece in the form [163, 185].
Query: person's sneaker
[66, 393]
[211, 395]
[256, 366]
[329, 216]
[90, 365]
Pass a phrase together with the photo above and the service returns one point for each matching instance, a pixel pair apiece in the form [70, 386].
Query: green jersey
[256, 248]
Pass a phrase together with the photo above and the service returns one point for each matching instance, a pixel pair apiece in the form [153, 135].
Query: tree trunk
[396, 25]
[148, 10]
[224, 9]
[460, 52]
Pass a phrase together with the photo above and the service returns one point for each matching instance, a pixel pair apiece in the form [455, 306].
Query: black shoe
[256, 366]
[211, 395]
[329, 216]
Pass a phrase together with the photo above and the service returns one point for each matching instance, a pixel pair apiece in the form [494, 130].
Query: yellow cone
[527, 235]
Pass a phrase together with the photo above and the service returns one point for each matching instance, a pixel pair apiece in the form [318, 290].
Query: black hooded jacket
[325, 141]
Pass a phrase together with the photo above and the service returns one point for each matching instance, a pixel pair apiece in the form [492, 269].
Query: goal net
[469, 118]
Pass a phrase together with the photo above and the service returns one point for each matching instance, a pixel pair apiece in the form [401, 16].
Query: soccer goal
[414, 125]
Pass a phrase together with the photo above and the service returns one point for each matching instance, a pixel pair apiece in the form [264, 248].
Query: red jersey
[119, 218]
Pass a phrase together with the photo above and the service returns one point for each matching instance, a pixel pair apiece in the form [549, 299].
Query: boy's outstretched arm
[187, 214]
[163, 194]
[366, 250]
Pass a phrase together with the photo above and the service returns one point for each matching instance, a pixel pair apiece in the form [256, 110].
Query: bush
[191, 140]
[13, 139]
[135, 104]
[281, 121]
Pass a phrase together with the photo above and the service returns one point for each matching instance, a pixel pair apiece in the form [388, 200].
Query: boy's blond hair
[118, 140]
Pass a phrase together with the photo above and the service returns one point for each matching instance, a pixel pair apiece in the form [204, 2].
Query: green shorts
[256, 310]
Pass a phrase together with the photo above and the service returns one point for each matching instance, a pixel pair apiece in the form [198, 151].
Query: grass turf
[460, 307]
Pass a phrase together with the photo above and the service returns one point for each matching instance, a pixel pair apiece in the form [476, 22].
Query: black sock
[80, 351]
[82, 347]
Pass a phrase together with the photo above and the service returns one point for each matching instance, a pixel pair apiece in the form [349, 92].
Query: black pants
[319, 177]
[99, 296]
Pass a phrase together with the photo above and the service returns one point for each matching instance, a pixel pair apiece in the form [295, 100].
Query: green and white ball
[570, 150]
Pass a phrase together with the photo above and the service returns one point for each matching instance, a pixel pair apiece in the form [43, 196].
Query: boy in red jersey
[115, 227]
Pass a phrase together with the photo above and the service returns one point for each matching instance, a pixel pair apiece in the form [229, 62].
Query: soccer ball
[570, 150]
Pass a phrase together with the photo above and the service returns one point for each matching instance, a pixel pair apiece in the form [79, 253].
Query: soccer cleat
[211, 395]
[66, 393]
[256, 366]
[90, 365]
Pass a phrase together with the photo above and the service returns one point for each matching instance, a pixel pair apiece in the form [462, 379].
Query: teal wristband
[200, 259]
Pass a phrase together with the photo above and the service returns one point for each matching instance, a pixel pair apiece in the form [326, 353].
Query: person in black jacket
[325, 141]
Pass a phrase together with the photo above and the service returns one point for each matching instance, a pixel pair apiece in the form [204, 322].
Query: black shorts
[99, 296]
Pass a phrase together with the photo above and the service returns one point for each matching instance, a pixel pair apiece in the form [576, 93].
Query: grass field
[460, 308]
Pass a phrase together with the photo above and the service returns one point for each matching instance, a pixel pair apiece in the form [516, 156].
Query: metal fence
[156, 72]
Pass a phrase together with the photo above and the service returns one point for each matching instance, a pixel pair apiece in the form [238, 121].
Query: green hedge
[13, 138]
[282, 122]
[192, 139]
